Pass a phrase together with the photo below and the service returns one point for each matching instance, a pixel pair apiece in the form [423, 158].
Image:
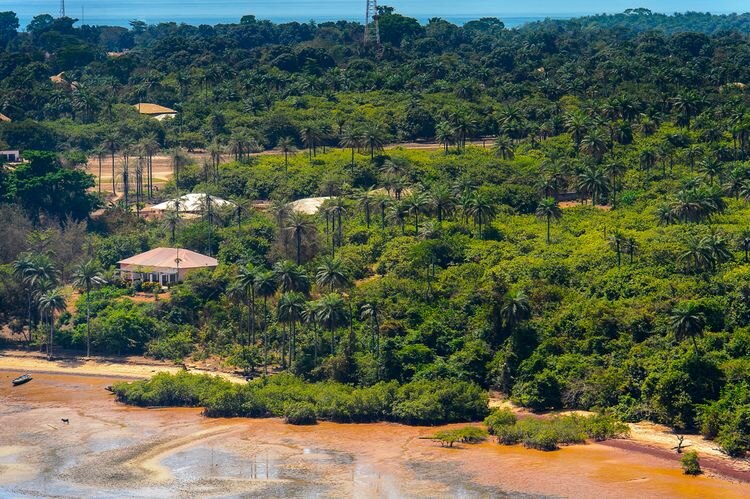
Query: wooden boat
[22, 379]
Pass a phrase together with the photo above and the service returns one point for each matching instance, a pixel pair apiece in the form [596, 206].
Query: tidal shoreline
[150, 451]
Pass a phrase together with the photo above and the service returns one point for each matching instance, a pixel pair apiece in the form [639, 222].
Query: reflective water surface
[111, 450]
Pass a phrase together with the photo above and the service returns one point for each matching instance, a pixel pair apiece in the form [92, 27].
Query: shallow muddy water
[112, 450]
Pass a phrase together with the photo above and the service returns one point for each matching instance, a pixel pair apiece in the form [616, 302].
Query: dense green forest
[592, 254]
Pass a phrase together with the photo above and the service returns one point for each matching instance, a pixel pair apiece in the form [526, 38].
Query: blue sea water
[120, 12]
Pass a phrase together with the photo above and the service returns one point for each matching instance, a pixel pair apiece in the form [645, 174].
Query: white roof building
[308, 206]
[191, 203]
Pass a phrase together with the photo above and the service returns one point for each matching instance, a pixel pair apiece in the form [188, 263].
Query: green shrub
[499, 418]
[544, 439]
[183, 389]
[691, 463]
[423, 402]
[732, 443]
[300, 413]
[467, 435]
[509, 435]
[174, 347]
[604, 427]
[548, 434]
[447, 437]
[472, 434]
[439, 401]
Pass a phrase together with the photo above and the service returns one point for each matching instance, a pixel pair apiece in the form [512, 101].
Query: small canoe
[22, 379]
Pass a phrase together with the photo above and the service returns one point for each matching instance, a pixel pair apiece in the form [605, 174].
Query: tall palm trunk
[51, 336]
[114, 192]
[88, 322]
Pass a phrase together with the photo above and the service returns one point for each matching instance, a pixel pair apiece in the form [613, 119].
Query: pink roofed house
[164, 265]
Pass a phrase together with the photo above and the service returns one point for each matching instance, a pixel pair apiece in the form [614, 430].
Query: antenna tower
[372, 28]
[62, 8]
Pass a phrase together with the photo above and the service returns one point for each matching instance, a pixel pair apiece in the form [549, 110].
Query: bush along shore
[419, 402]
[549, 434]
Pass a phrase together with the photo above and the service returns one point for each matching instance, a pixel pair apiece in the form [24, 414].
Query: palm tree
[351, 138]
[464, 125]
[373, 137]
[22, 268]
[595, 143]
[711, 168]
[483, 210]
[37, 273]
[332, 274]
[172, 219]
[697, 255]
[246, 285]
[100, 152]
[337, 209]
[366, 200]
[734, 183]
[687, 105]
[647, 160]
[397, 212]
[629, 246]
[617, 243]
[291, 277]
[179, 159]
[215, 150]
[516, 309]
[504, 148]
[593, 182]
[112, 144]
[445, 134]
[87, 276]
[150, 147]
[311, 136]
[287, 146]
[416, 204]
[50, 303]
[383, 201]
[744, 243]
[688, 322]
[441, 201]
[332, 312]
[265, 287]
[373, 312]
[548, 209]
[615, 170]
[300, 226]
[309, 316]
[576, 125]
[290, 308]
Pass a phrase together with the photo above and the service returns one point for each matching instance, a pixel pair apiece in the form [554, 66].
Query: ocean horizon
[196, 12]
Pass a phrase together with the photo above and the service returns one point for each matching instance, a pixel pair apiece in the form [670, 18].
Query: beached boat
[22, 379]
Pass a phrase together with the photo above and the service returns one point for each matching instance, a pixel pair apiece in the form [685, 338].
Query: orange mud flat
[112, 450]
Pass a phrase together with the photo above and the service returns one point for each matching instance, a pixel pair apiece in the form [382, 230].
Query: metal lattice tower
[372, 29]
[62, 8]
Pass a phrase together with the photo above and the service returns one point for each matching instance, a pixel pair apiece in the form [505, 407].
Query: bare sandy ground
[126, 367]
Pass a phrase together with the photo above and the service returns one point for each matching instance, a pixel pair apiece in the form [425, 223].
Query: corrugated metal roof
[165, 257]
[146, 108]
[192, 202]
